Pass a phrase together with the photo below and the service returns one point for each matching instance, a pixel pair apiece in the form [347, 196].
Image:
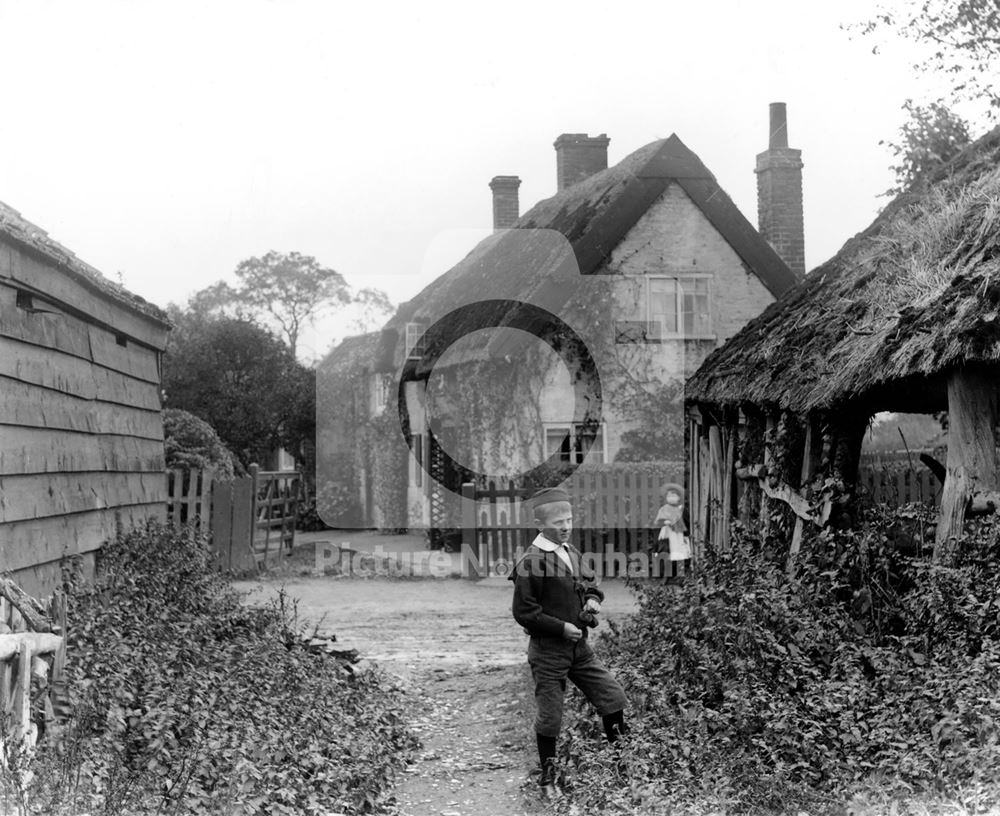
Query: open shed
[81, 433]
[906, 317]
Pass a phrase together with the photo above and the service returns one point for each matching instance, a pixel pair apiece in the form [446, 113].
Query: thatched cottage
[541, 348]
[906, 317]
[81, 434]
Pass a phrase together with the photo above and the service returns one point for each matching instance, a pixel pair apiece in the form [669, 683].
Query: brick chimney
[506, 209]
[579, 156]
[779, 193]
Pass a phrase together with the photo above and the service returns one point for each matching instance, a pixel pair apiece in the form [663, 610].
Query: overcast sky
[164, 142]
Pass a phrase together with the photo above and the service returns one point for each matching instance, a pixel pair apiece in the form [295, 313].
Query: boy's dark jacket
[547, 594]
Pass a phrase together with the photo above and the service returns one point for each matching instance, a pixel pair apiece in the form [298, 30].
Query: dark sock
[546, 749]
[614, 725]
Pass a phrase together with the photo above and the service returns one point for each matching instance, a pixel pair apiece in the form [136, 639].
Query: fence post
[469, 528]
[254, 481]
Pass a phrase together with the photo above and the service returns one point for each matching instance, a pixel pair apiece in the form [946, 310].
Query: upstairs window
[679, 306]
[415, 339]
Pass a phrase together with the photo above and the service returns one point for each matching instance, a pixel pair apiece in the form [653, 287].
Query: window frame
[412, 333]
[679, 279]
[572, 430]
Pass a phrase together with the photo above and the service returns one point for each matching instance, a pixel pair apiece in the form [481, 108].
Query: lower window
[569, 442]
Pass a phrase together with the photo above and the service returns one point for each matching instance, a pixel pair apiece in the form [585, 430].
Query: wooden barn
[81, 434]
[906, 317]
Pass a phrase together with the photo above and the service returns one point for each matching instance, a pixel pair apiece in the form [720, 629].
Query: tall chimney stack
[779, 193]
[506, 209]
[579, 156]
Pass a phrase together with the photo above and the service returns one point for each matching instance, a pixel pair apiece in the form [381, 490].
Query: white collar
[561, 550]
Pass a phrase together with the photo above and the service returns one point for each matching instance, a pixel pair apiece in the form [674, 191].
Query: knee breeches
[553, 661]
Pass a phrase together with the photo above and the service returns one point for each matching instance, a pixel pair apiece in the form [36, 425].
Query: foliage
[861, 672]
[931, 136]
[190, 443]
[188, 701]
[659, 430]
[336, 502]
[288, 290]
[964, 37]
[243, 381]
[387, 460]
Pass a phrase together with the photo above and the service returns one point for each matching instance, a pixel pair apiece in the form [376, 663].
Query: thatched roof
[17, 229]
[593, 217]
[913, 296]
[350, 355]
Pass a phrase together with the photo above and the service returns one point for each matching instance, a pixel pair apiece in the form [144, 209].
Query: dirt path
[461, 659]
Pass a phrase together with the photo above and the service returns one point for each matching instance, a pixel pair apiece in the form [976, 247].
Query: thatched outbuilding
[906, 317]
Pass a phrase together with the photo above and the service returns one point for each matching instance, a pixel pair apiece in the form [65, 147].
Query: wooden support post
[254, 486]
[808, 463]
[22, 691]
[972, 457]
[469, 538]
[704, 481]
[731, 441]
[751, 454]
[716, 477]
[770, 427]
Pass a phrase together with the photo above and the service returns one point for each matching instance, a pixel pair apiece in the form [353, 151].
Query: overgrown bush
[336, 502]
[190, 443]
[188, 701]
[762, 691]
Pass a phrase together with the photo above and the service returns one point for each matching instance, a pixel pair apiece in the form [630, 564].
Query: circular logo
[511, 314]
[501, 568]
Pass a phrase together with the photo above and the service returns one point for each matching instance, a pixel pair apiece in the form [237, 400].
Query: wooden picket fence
[613, 512]
[251, 519]
[32, 680]
[897, 480]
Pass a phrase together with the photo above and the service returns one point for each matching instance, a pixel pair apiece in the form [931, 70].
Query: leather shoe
[547, 782]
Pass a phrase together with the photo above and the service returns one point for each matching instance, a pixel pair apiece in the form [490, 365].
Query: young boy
[555, 600]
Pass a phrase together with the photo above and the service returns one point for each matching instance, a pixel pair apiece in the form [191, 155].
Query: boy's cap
[548, 495]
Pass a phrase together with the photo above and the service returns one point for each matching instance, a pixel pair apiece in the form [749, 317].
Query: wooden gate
[251, 519]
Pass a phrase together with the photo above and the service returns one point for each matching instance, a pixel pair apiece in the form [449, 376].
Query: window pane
[414, 333]
[596, 450]
[557, 441]
[662, 306]
[695, 313]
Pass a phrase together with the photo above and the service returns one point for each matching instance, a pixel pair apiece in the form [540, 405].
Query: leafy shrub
[188, 701]
[190, 443]
[769, 692]
[336, 502]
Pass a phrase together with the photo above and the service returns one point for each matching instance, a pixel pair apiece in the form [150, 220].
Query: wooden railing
[32, 661]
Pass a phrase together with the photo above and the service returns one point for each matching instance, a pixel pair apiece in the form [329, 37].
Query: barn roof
[914, 295]
[594, 216]
[16, 228]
